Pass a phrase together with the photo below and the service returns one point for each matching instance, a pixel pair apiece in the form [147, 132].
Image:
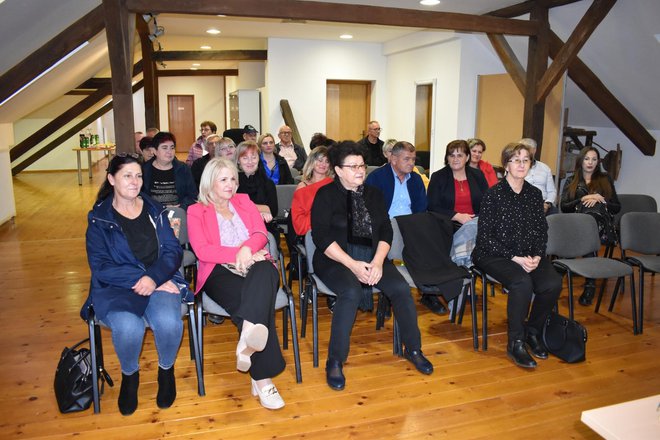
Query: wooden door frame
[434, 91]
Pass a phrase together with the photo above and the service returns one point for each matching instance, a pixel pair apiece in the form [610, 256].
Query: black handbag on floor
[73, 379]
[565, 338]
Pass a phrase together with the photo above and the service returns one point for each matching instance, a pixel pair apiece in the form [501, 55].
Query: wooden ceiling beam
[591, 19]
[151, 102]
[51, 52]
[198, 72]
[526, 7]
[338, 12]
[211, 55]
[593, 87]
[510, 61]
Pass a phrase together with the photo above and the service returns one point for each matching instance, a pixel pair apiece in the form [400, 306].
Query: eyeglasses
[227, 148]
[520, 161]
[285, 132]
[376, 129]
[205, 129]
[355, 167]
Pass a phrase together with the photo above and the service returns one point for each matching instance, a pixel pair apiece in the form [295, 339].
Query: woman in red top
[477, 148]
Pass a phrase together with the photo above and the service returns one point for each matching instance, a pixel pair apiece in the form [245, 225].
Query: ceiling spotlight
[346, 36]
[193, 68]
[158, 31]
[429, 2]
[213, 31]
[205, 47]
[196, 64]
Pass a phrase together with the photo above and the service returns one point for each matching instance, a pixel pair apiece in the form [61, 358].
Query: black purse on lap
[565, 338]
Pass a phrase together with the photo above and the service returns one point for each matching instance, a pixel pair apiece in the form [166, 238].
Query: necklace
[460, 184]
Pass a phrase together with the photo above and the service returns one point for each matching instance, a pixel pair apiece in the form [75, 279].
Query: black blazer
[330, 219]
[441, 194]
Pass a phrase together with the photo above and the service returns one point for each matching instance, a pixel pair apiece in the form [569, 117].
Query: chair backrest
[396, 250]
[294, 173]
[179, 222]
[572, 235]
[371, 168]
[284, 198]
[635, 203]
[310, 247]
[640, 232]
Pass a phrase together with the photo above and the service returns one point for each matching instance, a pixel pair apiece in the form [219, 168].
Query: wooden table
[637, 419]
[107, 148]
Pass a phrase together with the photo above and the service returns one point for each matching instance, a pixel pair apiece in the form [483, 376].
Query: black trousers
[349, 291]
[543, 282]
[252, 299]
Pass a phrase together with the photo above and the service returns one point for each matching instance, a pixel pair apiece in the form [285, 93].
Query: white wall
[639, 173]
[298, 69]
[209, 92]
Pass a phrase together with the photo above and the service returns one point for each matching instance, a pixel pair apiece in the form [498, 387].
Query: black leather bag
[565, 338]
[73, 379]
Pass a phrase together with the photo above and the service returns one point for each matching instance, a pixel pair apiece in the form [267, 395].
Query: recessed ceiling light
[205, 47]
[221, 15]
[429, 2]
[196, 64]
[346, 36]
[193, 68]
[213, 31]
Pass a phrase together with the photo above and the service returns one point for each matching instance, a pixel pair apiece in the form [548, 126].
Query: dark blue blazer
[383, 178]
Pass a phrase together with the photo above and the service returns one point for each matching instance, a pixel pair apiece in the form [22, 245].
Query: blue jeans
[163, 316]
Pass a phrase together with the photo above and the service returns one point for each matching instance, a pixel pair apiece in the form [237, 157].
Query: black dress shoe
[215, 319]
[536, 347]
[519, 355]
[334, 374]
[587, 296]
[433, 304]
[416, 357]
[128, 393]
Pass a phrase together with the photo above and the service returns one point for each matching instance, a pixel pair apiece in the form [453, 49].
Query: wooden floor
[472, 395]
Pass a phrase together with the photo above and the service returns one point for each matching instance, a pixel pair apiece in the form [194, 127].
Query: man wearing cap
[250, 133]
[197, 149]
[372, 145]
[294, 154]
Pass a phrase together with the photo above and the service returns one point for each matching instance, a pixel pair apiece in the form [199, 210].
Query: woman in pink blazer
[228, 236]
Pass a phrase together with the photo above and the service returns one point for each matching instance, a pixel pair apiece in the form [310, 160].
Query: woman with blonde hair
[226, 229]
[316, 168]
[275, 166]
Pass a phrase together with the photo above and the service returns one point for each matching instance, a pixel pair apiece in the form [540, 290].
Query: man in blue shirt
[404, 194]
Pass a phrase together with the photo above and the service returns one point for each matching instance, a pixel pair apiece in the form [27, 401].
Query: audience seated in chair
[228, 236]
[134, 258]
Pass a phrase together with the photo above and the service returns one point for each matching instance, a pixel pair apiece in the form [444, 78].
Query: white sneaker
[268, 396]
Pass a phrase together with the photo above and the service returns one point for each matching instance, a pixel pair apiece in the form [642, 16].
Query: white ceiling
[623, 51]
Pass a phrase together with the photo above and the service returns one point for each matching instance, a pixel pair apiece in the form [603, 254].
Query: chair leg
[285, 330]
[641, 300]
[484, 313]
[304, 306]
[95, 367]
[380, 312]
[614, 294]
[633, 304]
[315, 326]
[570, 294]
[196, 349]
[294, 339]
[473, 307]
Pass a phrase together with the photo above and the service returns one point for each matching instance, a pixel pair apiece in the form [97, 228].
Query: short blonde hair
[308, 169]
[210, 175]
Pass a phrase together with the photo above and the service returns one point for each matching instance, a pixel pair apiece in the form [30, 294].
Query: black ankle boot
[518, 354]
[587, 296]
[128, 398]
[166, 388]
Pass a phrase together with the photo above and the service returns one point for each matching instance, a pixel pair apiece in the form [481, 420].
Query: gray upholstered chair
[640, 233]
[179, 222]
[631, 203]
[572, 236]
[314, 286]
[283, 301]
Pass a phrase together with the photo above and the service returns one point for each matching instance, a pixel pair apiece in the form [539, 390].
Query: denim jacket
[114, 267]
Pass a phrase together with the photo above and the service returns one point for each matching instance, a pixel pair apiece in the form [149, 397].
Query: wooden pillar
[120, 28]
[151, 111]
[537, 64]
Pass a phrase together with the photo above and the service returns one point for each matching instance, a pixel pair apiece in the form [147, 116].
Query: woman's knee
[522, 286]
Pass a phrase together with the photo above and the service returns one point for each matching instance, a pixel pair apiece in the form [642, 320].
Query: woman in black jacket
[352, 233]
[456, 190]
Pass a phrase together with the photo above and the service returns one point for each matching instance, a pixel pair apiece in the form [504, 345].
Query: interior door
[181, 120]
[348, 105]
[423, 112]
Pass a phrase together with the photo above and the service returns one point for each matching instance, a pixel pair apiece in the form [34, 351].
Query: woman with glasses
[456, 190]
[511, 243]
[134, 258]
[252, 180]
[165, 179]
[198, 148]
[590, 188]
[217, 147]
[352, 233]
[274, 165]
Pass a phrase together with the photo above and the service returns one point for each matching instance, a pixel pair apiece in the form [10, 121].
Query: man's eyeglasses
[376, 129]
[124, 154]
[355, 167]
[285, 132]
